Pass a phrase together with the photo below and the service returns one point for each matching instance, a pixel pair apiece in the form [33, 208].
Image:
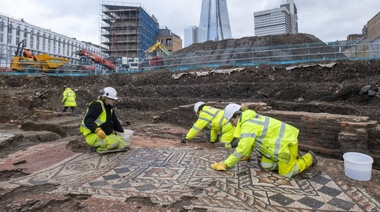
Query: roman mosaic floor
[170, 175]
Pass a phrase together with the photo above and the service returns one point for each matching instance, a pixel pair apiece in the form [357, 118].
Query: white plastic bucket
[357, 166]
[127, 136]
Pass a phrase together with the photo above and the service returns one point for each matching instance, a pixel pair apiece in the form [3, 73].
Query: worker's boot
[314, 158]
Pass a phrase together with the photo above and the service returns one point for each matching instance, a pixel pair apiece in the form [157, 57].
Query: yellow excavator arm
[159, 46]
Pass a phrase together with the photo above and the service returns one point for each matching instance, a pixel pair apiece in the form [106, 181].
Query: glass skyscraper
[191, 35]
[282, 20]
[214, 23]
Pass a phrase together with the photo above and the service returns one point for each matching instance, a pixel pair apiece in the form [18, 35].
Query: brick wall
[332, 135]
[374, 27]
[328, 135]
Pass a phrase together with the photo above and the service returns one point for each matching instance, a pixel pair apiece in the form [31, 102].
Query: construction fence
[255, 56]
[285, 54]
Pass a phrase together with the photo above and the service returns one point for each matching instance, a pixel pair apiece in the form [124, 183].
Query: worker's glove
[100, 133]
[219, 166]
[245, 158]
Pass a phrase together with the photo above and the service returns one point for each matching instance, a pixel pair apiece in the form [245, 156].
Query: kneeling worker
[214, 120]
[276, 141]
[100, 122]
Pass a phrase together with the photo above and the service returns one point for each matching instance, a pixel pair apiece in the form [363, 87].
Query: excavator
[25, 61]
[156, 60]
[97, 59]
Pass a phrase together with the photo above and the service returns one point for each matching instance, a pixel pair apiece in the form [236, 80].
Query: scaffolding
[127, 29]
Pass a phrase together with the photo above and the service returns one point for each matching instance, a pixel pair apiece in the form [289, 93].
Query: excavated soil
[33, 104]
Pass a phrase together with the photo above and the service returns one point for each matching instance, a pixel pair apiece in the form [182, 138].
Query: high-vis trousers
[290, 169]
[112, 143]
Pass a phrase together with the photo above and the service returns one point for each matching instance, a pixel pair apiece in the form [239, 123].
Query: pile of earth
[248, 42]
[254, 49]
[344, 87]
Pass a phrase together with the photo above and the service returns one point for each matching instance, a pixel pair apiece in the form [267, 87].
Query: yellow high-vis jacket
[214, 120]
[269, 136]
[99, 121]
[69, 98]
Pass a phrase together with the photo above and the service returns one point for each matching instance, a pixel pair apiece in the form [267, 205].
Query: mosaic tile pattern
[167, 175]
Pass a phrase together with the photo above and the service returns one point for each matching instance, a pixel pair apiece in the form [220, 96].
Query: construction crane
[157, 60]
[97, 59]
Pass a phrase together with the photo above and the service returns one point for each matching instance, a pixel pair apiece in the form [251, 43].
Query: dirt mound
[345, 87]
[249, 42]
[252, 50]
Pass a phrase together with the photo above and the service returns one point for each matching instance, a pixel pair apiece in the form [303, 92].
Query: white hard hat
[197, 106]
[109, 92]
[230, 109]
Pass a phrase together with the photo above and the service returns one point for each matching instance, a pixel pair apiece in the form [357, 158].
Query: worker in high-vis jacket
[276, 141]
[212, 118]
[69, 99]
[100, 124]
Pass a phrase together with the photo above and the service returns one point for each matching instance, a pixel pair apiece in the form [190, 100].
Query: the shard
[214, 22]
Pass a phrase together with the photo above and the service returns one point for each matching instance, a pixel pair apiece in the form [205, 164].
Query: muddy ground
[32, 104]
[30, 107]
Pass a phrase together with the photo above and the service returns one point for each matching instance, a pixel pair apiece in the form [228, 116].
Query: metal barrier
[255, 56]
[46, 74]
[285, 54]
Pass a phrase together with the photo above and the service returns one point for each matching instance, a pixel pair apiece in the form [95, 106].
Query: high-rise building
[191, 35]
[289, 4]
[214, 23]
[276, 21]
[127, 29]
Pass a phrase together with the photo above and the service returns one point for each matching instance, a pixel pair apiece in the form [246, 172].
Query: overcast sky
[328, 20]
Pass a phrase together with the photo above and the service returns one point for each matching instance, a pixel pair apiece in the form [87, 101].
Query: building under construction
[127, 29]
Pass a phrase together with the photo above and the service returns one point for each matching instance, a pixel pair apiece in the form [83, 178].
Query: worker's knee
[288, 171]
[268, 164]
